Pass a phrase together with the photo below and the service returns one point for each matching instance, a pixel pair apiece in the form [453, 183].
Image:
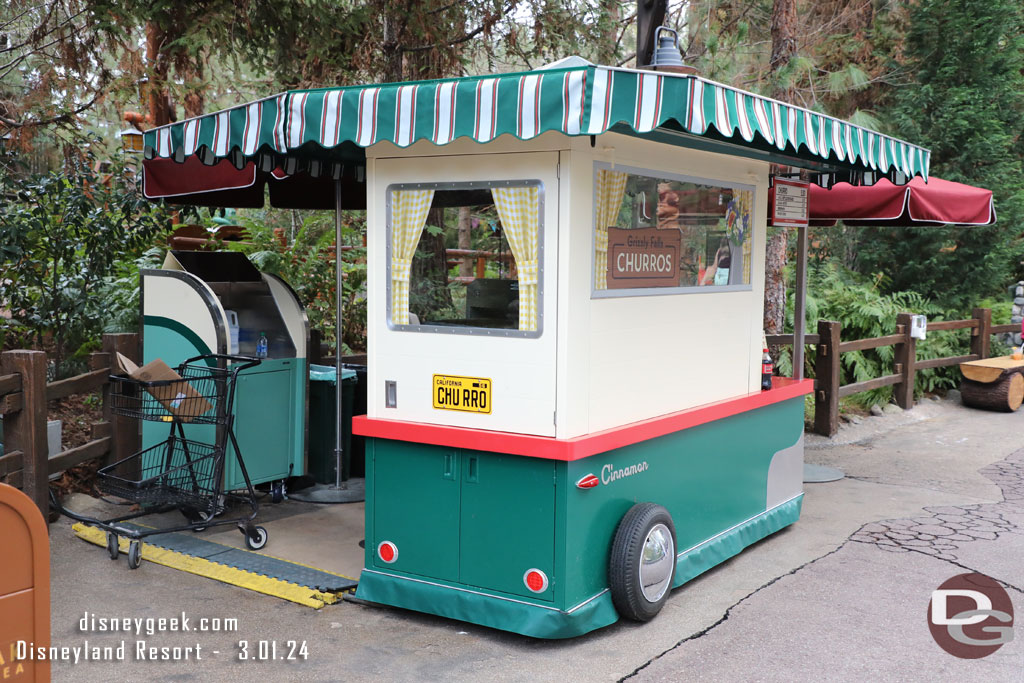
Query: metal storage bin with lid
[188, 307]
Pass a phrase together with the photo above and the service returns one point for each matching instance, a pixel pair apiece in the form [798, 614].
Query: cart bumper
[540, 621]
[507, 614]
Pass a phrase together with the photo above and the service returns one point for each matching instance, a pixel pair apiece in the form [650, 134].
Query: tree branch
[66, 117]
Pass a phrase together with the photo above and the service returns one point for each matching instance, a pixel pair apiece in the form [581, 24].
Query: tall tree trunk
[190, 69]
[784, 49]
[465, 240]
[610, 34]
[159, 99]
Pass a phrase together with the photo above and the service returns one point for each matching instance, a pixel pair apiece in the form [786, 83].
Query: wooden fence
[24, 395]
[829, 348]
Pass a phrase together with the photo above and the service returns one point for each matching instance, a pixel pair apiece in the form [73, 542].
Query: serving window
[657, 233]
[478, 270]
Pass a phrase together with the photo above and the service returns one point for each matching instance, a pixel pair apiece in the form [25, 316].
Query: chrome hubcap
[656, 563]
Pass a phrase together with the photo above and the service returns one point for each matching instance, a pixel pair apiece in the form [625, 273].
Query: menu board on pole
[789, 208]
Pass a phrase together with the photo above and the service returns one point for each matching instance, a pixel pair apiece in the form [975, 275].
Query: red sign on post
[646, 257]
[789, 208]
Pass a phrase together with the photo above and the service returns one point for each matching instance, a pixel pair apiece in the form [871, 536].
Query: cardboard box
[179, 397]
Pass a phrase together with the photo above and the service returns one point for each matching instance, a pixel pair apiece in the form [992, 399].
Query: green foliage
[965, 103]
[864, 311]
[306, 262]
[63, 236]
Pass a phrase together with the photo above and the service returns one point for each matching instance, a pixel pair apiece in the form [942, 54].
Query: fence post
[826, 370]
[25, 430]
[314, 354]
[981, 336]
[903, 362]
[125, 430]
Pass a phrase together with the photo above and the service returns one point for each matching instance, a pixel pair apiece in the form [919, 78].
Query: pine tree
[965, 103]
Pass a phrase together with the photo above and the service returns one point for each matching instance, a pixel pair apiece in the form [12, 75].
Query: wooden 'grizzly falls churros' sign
[647, 257]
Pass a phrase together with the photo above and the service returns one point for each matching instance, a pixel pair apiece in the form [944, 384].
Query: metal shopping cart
[185, 471]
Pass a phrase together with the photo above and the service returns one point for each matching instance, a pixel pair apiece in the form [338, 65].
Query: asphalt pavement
[841, 595]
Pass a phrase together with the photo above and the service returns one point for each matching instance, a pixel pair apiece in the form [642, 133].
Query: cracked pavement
[840, 595]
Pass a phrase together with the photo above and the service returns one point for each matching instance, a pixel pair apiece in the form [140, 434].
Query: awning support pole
[799, 299]
[339, 307]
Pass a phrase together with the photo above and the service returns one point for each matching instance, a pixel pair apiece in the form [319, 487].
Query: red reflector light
[588, 482]
[536, 580]
[387, 551]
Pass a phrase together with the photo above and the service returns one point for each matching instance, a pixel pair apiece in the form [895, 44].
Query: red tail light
[536, 580]
[588, 482]
[387, 551]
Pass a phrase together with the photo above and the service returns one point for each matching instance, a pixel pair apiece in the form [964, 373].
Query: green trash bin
[323, 415]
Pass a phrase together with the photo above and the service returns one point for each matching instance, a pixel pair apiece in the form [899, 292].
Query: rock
[1019, 300]
[1019, 291]
[876, 410]
[892, 409]
[854, 419]
[953, 395]
[1014, 310]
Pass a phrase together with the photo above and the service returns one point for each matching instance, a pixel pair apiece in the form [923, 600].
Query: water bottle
[261, 345]
[766, 370]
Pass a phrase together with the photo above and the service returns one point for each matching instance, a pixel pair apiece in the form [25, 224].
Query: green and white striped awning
[334, 124]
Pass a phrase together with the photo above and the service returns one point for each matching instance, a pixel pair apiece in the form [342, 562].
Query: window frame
[466, 330]
[596, 293]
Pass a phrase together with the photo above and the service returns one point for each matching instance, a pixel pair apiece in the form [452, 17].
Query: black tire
[256, 538]
[134, 555]
[112, 548]
[630, 598]
[277, 492]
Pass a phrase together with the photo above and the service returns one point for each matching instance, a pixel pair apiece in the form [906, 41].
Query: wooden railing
[829, 348]
[24, 395]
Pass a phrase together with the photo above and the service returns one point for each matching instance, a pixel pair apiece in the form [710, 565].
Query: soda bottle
[262, 344]
[766, 370]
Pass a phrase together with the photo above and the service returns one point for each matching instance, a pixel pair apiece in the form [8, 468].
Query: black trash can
[357, 466]
[323, 414]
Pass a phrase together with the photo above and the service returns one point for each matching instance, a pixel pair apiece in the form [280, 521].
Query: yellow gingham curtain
[519, 211]
[611, 187]
[408, 216]
[745, 207]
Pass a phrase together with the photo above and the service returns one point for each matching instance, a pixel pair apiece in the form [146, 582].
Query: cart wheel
[134, 555]
[112, 548]
[643, 562]
[201, 516]
[277, 492]
[255, 538]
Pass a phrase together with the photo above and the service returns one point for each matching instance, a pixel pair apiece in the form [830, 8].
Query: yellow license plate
[468, 394]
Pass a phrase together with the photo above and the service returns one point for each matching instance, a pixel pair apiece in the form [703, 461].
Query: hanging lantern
[131, 137]
[666, 52]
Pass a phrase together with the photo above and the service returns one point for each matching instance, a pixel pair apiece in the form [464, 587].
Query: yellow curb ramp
[293, 592]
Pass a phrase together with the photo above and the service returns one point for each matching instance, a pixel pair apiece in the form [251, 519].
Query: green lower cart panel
[542, 621]
[524, 543]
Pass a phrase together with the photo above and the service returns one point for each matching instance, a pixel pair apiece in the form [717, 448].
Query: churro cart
[567, 442]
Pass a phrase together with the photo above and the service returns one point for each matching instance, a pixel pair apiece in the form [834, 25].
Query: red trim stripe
[783, 389]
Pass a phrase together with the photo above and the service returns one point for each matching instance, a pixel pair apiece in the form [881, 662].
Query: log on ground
[1005, 394]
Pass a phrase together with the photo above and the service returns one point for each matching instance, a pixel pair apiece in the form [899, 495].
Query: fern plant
[835, 293]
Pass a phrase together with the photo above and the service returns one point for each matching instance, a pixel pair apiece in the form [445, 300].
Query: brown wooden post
[314, 354]
[25, 430]
[125, 430]
[826, 370]
[904, 358]
[981, 336]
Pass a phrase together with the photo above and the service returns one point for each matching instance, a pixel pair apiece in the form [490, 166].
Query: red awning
[937, 202]
[193, 183]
